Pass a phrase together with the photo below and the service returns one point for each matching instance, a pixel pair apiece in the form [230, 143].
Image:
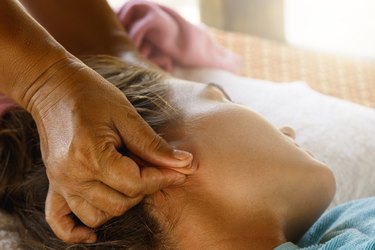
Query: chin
[323, 187]
[321, 193]
[331, 184]
[326, 185]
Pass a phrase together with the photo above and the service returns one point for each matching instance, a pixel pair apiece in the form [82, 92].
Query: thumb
[141, 140]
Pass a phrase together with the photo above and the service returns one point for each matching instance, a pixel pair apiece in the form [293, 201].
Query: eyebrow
[217, 86]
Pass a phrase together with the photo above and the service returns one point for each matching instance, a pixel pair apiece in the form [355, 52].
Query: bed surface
[349, 78]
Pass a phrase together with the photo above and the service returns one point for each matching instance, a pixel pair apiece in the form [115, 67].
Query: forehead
[185, 89]
[193, 97]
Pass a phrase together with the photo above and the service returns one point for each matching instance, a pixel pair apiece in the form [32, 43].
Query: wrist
[31, 75]
[42, 87]
[27, 51]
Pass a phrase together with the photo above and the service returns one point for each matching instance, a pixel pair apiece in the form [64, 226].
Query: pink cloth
[5, 103]
[167, 39]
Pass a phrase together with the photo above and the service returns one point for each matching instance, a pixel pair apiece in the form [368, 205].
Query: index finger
[126, 176]
[155, 179]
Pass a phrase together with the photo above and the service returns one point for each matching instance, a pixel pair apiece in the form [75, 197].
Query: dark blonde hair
[24, 184]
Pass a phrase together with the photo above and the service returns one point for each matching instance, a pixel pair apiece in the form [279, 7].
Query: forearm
[26, 51]
[83, 27]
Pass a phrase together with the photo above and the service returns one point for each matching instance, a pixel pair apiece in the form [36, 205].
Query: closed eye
[217, 86]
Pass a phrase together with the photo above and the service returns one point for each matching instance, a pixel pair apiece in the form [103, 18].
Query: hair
[23, 180]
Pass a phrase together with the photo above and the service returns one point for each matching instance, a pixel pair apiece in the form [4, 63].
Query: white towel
[337, 132]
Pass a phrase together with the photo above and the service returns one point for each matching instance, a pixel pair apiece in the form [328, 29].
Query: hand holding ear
[83, 120]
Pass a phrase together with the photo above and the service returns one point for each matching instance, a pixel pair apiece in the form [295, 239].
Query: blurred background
[344, 27]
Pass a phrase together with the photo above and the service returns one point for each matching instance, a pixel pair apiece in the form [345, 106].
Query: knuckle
[154, 180]
[135, 191]
[156, 143]
[126, 205]
[66, 236]
[94, 221]
[61, 234]
[107, 156]
[120, 209]
[50, 219]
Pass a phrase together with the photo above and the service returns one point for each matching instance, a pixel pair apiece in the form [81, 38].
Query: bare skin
[254, 188]
[94, 31]
[82, 121]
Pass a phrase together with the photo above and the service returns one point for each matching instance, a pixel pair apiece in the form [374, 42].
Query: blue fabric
[348, 226]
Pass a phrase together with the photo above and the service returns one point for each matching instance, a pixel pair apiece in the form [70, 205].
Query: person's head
[252, 182]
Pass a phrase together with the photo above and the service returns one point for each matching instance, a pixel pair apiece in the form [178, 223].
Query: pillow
[335, 131]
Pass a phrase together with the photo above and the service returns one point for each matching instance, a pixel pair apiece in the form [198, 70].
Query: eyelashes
[217, 86]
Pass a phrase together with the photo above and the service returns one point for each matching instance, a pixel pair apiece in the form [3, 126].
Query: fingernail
[181, 155]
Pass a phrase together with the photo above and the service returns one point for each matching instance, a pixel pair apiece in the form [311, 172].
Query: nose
[288, 131]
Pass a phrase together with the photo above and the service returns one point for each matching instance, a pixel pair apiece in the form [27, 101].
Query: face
[244, 164]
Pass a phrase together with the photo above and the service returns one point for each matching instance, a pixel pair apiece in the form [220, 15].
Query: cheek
[240, 169]
[245, 160]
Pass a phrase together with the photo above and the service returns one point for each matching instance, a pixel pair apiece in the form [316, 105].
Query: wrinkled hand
[83, 120]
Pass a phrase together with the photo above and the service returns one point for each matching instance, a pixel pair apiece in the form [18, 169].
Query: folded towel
[349, 226]
[167, 39]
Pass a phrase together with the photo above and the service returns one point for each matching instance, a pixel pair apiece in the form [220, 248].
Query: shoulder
[350, 225]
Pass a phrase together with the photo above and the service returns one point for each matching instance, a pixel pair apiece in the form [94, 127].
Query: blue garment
[348, 226]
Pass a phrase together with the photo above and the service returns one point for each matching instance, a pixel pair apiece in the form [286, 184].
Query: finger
[86, 212]
[122, 174]
[58, 216]
[141, 140]
[188, 170]
[109, 200]
[156, 179]
[125, 176]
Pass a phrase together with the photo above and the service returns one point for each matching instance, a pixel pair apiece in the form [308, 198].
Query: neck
[257, 231]
[300, 220]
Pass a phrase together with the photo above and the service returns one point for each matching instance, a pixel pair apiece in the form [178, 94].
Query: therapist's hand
[83, 120]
